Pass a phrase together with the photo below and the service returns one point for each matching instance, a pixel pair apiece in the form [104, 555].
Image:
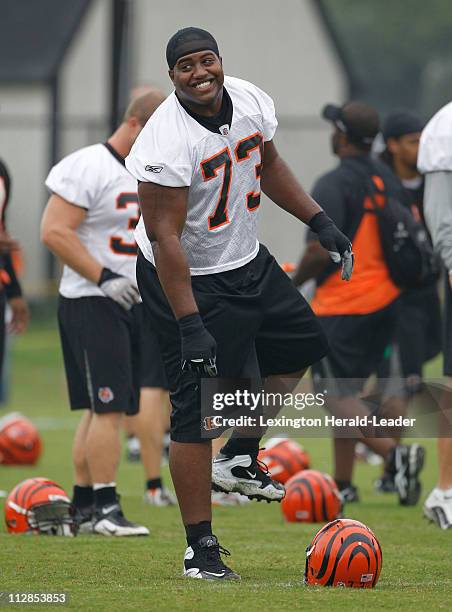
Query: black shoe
[349, 495]
[203, 561]
[405, 463]
[385, 484]
[246, 475]
[110, 521]
[83, 518]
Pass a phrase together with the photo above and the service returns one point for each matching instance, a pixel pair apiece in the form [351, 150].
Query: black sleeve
[13, 288]
[329, 194]
[4, 175]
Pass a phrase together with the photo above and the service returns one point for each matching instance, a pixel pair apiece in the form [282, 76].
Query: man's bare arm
[59, 233]
[164, 211]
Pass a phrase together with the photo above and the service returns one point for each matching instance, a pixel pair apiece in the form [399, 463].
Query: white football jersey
[222, 171]
[435, 149]
[94, 179]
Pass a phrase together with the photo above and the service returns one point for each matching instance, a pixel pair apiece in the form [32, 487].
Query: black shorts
[417, 337]
[103, 354]
[152, 370]
[357, 345]
[261, 323]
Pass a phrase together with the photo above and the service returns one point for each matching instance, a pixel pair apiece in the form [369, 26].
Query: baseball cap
[359, 121]
[401, 122]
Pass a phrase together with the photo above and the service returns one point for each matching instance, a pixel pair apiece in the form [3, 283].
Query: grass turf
[145, 573]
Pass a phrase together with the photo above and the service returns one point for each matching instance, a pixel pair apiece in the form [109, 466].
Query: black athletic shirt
[341, 191]
[12, 289]
[223, 117]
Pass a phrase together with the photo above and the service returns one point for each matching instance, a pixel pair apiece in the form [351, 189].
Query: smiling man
[220, 301]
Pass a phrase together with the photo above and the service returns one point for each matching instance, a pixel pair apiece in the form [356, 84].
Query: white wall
[280, 46]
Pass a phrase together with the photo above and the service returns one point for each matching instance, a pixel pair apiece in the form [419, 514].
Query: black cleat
[385, 484]
[110, 521]
[204, 561]
[349, 495]
[405, 463]
[83, 518]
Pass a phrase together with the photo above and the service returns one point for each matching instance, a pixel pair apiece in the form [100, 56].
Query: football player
[418, 322]
[359, 320]
[435, 161]
[109, 348]
[10, 289]
[221, 302]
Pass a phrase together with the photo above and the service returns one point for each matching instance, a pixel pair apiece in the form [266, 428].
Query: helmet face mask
[54, 518]
[40, 506]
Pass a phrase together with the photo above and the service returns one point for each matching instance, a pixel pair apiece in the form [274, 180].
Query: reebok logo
[155, 169]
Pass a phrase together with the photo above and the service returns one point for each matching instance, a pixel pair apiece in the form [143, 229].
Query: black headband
[189, 40]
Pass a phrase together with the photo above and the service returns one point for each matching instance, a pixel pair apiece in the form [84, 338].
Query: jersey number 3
[210, 168]
[117, 244]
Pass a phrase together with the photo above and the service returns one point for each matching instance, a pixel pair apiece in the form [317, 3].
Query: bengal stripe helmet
[39, 505]
[344, 553]
[20, 442]
[311, 497]
[284, 458]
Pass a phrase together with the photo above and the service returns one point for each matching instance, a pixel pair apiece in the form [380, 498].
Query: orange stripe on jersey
[371, 287]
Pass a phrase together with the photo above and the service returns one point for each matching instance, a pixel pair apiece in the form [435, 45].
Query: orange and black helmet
[39, 505]
[344, 553]
[311, 497]
[284, 458]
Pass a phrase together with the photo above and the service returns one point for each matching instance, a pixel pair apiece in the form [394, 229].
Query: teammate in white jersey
[221, 301]
[109, 350]
[435, 161]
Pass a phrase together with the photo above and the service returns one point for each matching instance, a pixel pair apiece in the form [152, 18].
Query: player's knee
[113, 419]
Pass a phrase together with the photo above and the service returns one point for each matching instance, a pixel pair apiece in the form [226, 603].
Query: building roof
[34, 36]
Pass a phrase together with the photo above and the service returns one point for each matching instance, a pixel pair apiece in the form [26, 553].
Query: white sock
[103, 485]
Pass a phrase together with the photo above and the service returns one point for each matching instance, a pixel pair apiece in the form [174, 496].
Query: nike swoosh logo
[222, 459]
[108, 509]
[251, 475]
[213, 573]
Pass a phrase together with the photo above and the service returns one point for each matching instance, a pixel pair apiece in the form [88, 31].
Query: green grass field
[145, 573]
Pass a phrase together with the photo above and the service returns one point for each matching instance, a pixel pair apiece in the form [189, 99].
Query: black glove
[334, 241]
[198, 347]
[119, 288]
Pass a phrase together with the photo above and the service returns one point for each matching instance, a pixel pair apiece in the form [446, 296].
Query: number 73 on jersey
[223, 161]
